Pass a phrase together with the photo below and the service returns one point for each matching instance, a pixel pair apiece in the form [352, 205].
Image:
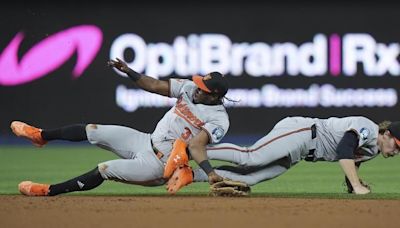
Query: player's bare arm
[197, 149]
[349, 168]
[143, 81]
[345, 150]
[348, 184]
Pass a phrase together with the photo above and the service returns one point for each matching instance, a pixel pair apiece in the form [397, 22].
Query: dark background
[57, 99]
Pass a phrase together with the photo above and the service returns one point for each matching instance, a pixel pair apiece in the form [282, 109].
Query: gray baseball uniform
[291, 139]
[139, 163]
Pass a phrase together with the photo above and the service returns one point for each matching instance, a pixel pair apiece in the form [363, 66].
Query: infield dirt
[193, 212]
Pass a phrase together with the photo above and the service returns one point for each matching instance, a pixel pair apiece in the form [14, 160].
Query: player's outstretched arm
[197, 148]
[143, 81]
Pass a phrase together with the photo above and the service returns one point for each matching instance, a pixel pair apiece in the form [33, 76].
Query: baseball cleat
[177, 158]
[22, 129]
[181, 177]
[30, 188]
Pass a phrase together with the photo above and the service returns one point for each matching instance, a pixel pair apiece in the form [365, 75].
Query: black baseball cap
[394, 129]
[214, 82]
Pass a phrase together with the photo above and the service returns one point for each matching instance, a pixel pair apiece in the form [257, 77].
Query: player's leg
[73, 133]
[268, 149]
[227, 152]
[39, 137]
[142, 170]
[287, 138]
[250, 176]
[122, 141]
[145, 169]
[242, 155]
[84, 182]
[268, 173]
[140, 166]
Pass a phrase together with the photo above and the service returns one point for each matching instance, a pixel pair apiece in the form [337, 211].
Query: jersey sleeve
[365, 130]
[176, 86]
[216, 130]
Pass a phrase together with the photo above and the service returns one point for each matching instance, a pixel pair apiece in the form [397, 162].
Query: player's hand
[119, 64]
[213, 177]
[360, 190]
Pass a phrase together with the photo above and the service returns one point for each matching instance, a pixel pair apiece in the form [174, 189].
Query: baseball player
[198, 118]
[350, 140]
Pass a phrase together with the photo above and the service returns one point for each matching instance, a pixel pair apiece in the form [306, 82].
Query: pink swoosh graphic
[49, 54]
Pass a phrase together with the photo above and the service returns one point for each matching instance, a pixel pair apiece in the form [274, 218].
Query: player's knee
[91, 127]
[102, 168]
[249, 161]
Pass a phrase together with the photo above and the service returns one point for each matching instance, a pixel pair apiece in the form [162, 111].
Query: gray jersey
[292, 137]
[138, 163]
[291, 140]
[331, 131]
[186, 119]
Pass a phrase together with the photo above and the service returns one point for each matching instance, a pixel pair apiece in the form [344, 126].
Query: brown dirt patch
[193, 212]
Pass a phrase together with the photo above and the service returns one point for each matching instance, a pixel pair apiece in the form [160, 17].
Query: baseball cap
[213, 82]
[394, 129]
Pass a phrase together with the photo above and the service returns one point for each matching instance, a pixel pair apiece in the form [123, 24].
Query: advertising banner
[280, 60]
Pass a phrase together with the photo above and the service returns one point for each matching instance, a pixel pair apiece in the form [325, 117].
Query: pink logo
[49, 54]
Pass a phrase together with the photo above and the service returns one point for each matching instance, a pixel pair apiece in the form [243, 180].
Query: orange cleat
[181, 177]
[29, 188]
[177, 158]
[22, 129]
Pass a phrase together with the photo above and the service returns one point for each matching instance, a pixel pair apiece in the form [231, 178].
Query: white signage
[203, 53]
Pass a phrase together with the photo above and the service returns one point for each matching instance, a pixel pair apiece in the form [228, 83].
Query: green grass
[54, 164]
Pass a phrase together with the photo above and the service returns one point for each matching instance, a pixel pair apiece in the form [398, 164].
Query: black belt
[310, 156]
[158, 153]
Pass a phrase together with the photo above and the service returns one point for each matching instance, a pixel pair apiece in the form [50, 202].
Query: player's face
[389, 147]
[202, 97]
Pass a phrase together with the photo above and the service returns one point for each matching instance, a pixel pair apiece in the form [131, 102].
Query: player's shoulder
[183, 81]
[365, 127]
[181, 86]
[187, 84]
[216, 113]
[362, 120]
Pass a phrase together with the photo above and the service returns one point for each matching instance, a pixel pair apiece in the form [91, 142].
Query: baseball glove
[229, 188]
